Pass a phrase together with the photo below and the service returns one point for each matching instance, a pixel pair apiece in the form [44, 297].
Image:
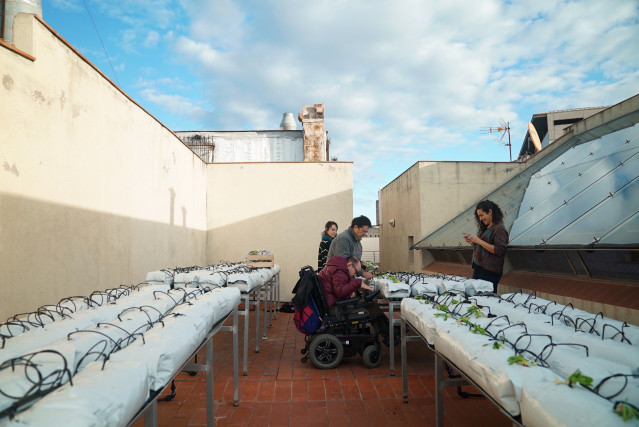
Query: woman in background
[329, 233]
[489, 246]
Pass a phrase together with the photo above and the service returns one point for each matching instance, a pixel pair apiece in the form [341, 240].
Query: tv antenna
[503, 128]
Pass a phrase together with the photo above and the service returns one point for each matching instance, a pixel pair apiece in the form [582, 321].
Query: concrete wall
[400, 203]
[94, 192]
[277, 206]
[427, 196]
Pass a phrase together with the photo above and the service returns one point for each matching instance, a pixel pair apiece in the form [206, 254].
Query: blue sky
[401, 81]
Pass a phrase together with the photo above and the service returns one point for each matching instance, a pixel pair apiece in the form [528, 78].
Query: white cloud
[175, 104]
[73, 5]
[401, 81]
[151, 40]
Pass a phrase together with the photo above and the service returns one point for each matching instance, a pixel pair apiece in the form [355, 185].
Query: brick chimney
[312, 118]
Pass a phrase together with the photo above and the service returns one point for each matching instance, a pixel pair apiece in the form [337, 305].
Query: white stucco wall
[94, 192]
[281, 207]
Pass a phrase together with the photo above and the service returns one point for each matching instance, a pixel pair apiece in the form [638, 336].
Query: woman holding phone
[489, 245]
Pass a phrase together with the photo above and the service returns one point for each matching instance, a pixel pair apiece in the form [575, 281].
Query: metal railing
[372, 256]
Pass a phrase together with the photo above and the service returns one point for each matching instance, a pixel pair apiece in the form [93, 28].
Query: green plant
[625, 411]
[444, 315]
[442, 307]
[577, 378]
[500, 343]
[464, 320]
[476, 329]
[476, 311]
[519, 359]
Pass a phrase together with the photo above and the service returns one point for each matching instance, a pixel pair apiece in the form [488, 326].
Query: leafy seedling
[576, 378]
[519, 359]
[625, 411]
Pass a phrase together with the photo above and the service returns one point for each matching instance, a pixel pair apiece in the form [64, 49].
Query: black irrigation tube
[626, 378]
[41, 384]
[623, 335]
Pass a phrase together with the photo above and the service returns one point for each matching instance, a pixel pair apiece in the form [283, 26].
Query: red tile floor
[280, 390]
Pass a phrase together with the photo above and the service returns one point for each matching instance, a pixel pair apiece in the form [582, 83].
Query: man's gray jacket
[345, 244]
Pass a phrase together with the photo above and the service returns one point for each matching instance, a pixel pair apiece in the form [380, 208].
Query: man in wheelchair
[347, 318]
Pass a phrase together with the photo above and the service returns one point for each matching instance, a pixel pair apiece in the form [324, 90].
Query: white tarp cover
[109, 397]
[245, 282]
[167, 347]
[390, 289]
[475, 286]
[456, 286]
[532, 333]
[429, 286]
[82, 319]
[160, 277]
[19, 382]
[550, 404]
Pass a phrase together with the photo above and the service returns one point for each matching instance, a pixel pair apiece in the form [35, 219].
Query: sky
[401, 81]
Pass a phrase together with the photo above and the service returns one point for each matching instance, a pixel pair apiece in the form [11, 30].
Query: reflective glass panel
[602, 218]
[573, 199]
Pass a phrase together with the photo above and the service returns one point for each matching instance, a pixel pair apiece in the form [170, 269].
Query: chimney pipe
[288, 122]
[11, 9]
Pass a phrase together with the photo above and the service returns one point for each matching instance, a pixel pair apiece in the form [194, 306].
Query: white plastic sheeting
[79, 320]
[245, 282]
[543, 332]
[167, 347]
[101, 333]
[98, 397]
[390, 289]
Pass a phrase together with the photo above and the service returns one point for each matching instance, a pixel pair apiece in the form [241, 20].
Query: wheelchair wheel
[326, 351]
[372, 356]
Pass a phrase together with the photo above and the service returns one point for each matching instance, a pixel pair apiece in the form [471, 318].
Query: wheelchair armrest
[371, 296]
[346, 302]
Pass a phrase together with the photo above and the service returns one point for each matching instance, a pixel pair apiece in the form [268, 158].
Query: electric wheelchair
[345, 329]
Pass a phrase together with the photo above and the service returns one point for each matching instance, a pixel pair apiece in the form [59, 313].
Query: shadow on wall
[50, 251]
[291, 234]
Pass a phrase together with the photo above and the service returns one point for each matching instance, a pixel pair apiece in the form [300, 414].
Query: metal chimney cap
[288, 122]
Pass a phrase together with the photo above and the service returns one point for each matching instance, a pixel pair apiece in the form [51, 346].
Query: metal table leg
[257, 321]
[404, 373]
[391, 337]
[245, 313]
[210, 395]
[271, 301]
[236, 362]
[277, 292]
[151, 415]
[439, 392]
[265, 290]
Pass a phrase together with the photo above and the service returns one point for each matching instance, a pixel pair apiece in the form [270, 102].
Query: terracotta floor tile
[366, 388]
[317, 416]
[266, 391]
[282, 391]
[333, 390]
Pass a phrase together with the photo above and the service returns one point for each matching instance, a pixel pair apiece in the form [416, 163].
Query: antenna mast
[503, 128]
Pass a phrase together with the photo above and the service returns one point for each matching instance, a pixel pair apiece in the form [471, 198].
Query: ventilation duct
[11, 9]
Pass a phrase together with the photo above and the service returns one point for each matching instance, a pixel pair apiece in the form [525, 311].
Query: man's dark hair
[361, 221]
[353, 259]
